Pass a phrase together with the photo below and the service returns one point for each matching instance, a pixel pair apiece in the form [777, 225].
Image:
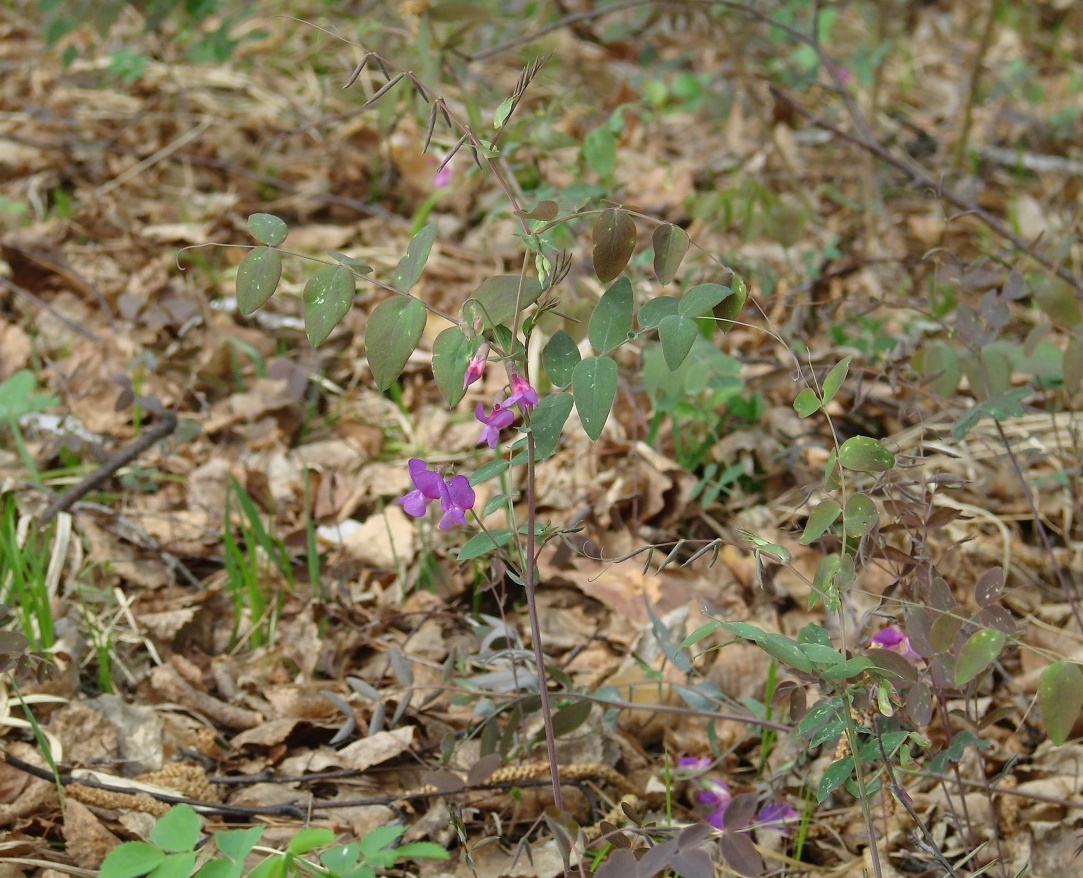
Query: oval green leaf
[863, 454]
[257, 278]
[408, 271]
[941, 367]
[980, 650]
[730, 308]
[451, 354]
[806, 402]
[1060, 697]
[267, 229]
[547, 421]
[493, 302]
[391, 334]
[860, 516]
[701, 300]
[822, 517]
[559, 357]
[677, 334]
[612, 318]
[833, 380]
[653, 312]
[177, 830]
[327, 299]
[834, 776]
[484, 542]
[132, 859]
[670, 246]
[594, 384]
[614, 242]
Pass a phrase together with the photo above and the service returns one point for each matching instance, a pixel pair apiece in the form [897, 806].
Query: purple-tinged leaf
[670, 245]
[614, 243]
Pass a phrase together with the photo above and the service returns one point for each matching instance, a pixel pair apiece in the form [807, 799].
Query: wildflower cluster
[715, 796]
[455, 494]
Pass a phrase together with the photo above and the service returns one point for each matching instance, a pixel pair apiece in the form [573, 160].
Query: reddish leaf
[614, 242]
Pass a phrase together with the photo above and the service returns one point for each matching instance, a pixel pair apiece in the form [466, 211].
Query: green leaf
[237, 843]
[273, 867]
[980, 650]
[701, 300]
[267, 229]
[391, 334]
[451, 353]
[1060, 697]
[423, 850]
[696, 636]
[177, 829]
[677, 334]
[822, 517]
[670, 245]
[600, 151]
[860, 516]
[559, 357]
[849, 668]
[864, 454]
[653, 312]
[614, 242]
[546, 422]
[612, 318]
[786, 650]
[823, 583]
[17, 397]
[378, 838]
[328, 296]
[834, 379]
[834, 776]
[494, 299]
[730, 309]
[408, 271]
[257, 277]
[177, 865]
[488, 471]
[310, 838]
[483, 543]
[594, 384]
[806, 402]
[503, 112]
[131, 859]
[570, 717]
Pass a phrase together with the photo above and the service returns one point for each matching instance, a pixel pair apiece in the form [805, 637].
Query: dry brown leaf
[88, 842]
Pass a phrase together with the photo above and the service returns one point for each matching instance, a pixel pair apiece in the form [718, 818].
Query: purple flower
[776, 812]
[715, 794]
[497, 420]
[443, 176]
[476, 367]
[455, 494]
[521, 392]
[693, 763]
[893, 638]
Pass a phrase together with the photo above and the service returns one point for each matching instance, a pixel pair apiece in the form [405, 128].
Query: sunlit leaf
[559, 357]
[257, 278]
[822, 517]
[653, 311]
[863, 454]
[860, 516]
[614, 242]
[267, 229]
[1060, 697]
[979, 651]
[670, 245]
[327, 299]
[451, 353]
[700, 300]
[677, 334]
[594, 384]
[730, 308]
[393, 330]
[806, 402]
[611, 320]
[408, 271]
[833, 380]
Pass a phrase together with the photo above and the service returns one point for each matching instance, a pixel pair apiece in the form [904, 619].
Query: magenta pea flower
[455, 494]
[715, 794]
[521, 392]
[494, 422]
[693, 763]
[476, 368]
[894, 639]
[774, 813]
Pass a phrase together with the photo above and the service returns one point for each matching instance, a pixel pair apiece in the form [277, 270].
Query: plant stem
[530, 584]
[959, 153]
